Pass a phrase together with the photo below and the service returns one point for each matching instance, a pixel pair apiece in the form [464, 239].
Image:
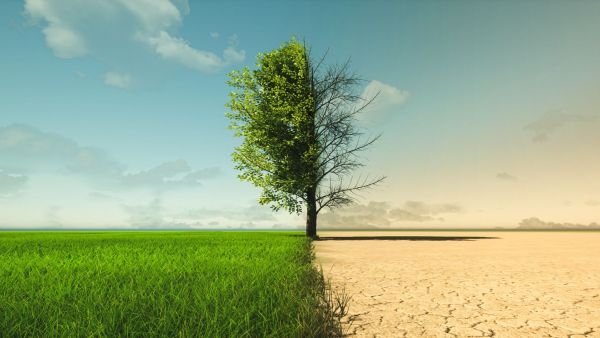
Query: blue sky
[112, 112]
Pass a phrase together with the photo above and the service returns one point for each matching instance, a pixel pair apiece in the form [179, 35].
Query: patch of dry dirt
[424, 284]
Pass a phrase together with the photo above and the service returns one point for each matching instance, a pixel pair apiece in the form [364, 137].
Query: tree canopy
[297, 123]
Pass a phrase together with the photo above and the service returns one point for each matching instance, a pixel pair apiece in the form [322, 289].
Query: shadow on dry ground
[405, 238]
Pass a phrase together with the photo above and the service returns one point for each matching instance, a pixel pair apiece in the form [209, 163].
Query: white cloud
[174, 174]
[232, 55]
[254, 212]
[11, 183]
[215, 35]
[155, 214]
[153, 15]
[27, 149]
[118, 80]
[64, 42]
[172, 48]
[108, 28]
[146, 216]
[388, 96]
[52, 216]
[179, 50]
[253, 215]
[60, 37]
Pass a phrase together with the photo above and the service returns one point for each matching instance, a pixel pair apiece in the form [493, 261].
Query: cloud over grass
[11, 183]
[27, 149]
[255, 214]
[169, 175]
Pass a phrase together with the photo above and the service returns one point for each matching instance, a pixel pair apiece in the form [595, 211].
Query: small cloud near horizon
[148, 215]
[592, 203]
[534, 223]
[382, 214]
[255, 214]
[506, 177]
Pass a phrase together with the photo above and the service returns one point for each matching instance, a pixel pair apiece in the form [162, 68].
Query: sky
[112, 111]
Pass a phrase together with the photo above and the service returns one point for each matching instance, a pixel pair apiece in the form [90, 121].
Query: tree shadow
[405, 238]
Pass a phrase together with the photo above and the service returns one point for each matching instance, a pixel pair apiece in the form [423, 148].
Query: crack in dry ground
[527, 284]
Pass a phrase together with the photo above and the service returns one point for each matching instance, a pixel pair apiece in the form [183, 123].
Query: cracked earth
[518, 284]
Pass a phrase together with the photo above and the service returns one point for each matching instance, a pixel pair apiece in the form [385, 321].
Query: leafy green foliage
[167, 284]
[273, 110]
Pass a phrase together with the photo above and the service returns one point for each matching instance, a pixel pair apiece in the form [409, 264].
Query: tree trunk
[311, 213]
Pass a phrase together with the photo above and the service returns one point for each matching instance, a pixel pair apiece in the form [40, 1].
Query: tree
[300, 138]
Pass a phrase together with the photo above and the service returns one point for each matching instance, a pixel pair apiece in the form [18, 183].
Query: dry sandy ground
[424, 284]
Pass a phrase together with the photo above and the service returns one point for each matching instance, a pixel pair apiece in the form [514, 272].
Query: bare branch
[340, 194]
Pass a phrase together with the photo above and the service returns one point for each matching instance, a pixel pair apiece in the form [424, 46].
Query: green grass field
[202, 284]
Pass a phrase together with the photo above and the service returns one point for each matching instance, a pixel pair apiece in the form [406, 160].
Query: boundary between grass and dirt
[333, 303]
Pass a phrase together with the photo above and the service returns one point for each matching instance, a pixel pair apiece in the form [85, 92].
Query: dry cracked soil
[466, 284]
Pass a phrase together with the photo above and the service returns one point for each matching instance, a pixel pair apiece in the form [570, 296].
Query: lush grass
[208, 284]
